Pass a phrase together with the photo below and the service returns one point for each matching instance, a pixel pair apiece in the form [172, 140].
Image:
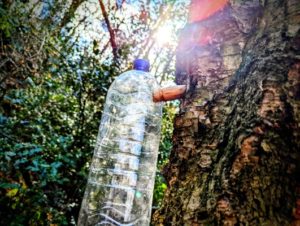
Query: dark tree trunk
[236, 153]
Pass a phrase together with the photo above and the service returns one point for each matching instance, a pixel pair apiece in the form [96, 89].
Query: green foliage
[45, 143]
[5, 24]
[159, 190]
[165, 147]
[48, 129]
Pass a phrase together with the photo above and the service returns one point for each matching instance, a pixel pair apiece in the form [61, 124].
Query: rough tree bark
[235, 159]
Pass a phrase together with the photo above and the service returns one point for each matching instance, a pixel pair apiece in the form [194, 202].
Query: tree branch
[112, 38]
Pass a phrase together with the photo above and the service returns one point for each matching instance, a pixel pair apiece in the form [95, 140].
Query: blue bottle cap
[141, 65]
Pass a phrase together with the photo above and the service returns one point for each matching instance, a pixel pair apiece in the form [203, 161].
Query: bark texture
[235, 159]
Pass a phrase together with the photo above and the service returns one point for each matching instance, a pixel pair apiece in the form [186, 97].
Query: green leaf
[10, 153]
[9, 185]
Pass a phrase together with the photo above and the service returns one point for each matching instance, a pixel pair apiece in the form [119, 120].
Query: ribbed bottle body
[122, 173]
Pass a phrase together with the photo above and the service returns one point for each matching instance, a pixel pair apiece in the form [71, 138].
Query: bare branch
[111, 31]
[107, 44]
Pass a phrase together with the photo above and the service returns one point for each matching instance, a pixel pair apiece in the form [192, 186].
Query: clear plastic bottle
[122, 174]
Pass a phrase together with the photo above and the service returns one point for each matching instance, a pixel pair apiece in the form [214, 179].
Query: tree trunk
[236, 143]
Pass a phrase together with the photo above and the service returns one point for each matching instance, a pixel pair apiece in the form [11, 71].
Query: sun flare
[164, 35]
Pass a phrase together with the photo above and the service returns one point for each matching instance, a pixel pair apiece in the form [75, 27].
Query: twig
[3, 62]
[42, 45]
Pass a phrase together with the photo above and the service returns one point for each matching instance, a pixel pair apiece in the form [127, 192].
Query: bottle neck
[141, 69]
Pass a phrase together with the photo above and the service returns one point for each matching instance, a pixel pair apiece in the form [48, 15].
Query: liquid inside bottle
[122, 173]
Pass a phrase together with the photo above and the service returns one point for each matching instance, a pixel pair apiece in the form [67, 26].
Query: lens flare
[163, 36]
